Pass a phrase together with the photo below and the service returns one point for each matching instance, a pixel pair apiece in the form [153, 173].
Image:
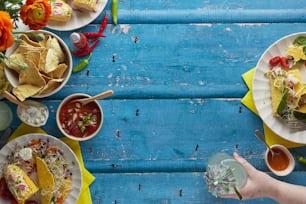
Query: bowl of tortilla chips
[38, 65]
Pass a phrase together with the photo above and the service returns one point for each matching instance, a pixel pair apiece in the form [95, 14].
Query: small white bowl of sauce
[282, 163]
[36, 115]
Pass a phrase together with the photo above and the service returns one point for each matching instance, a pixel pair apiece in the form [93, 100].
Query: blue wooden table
[175, 67]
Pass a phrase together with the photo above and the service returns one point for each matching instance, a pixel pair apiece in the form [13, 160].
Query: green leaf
[300, 41]
[282, 104]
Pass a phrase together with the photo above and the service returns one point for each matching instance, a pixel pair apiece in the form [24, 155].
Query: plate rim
[274, 124]
[77, 188]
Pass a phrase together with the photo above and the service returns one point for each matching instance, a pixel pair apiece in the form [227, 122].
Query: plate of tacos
[39, 168]
[279, 86]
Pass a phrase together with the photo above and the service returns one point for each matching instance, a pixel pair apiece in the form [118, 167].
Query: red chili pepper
[87, 51]
[274, 61]
[94, 35]
[103, 24]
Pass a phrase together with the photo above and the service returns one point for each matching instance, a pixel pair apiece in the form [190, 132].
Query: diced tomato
[60, 199]
[52, 149]
[34, 142]
[91, 128]
[284, 62]
[75, 130]
[274, 61]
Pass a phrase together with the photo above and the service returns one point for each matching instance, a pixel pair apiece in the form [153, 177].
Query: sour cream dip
[36, 115]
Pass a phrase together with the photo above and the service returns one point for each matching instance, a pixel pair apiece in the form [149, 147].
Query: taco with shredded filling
[286, 90]
[48, 185]
[19, 183]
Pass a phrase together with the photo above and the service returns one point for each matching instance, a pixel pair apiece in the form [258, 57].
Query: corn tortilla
[45, 181]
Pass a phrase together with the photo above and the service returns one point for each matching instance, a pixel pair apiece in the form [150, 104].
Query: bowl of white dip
[36, 115]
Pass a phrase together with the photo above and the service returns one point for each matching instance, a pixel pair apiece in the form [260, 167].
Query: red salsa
[80, 120]
[280, 160]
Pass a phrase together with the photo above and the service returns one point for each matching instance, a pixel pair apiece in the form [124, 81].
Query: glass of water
[225, 175]
[6, 115]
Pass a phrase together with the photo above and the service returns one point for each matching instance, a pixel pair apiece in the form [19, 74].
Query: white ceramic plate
[262, 94]
[68, 153]
[78, 18]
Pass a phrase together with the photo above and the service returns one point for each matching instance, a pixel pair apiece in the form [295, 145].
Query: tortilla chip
[31, 75]
[27, 40]
[14, 176]
[43, 42]
[25, 91]
[34, 56]
[51, 85]
[42, 60]
[18, 57]
[45, 181]
[23, 51]
[52, 61]
[54, 44]
[58, 72]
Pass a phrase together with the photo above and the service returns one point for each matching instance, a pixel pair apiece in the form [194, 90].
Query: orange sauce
[280, 160]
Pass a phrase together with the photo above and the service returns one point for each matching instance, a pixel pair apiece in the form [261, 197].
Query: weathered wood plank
[175, 61]
[166, 135]
[163, 188]
[176, 11]
[215, 4]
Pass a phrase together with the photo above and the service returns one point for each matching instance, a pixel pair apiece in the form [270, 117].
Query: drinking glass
[224, 175]
[6, 115]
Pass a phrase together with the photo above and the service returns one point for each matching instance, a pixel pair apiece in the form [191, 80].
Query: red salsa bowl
[77, 121]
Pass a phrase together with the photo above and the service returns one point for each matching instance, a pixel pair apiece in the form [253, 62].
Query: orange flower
[6, 27]
[35, 13]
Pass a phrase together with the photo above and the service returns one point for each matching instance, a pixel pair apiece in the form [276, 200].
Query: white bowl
[36, 116]
[13, 77]
[282, 152]
[67, 132]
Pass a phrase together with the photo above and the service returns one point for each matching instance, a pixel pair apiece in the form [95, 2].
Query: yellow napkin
[248, 101]
[88, 178]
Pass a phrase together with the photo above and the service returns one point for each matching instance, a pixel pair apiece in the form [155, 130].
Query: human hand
[256, 183]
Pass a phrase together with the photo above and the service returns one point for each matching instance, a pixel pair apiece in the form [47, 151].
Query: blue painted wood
[157, 188]
[163, 188]
[223, 11]
[175, 67]
[213, 16]
[199, 60]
